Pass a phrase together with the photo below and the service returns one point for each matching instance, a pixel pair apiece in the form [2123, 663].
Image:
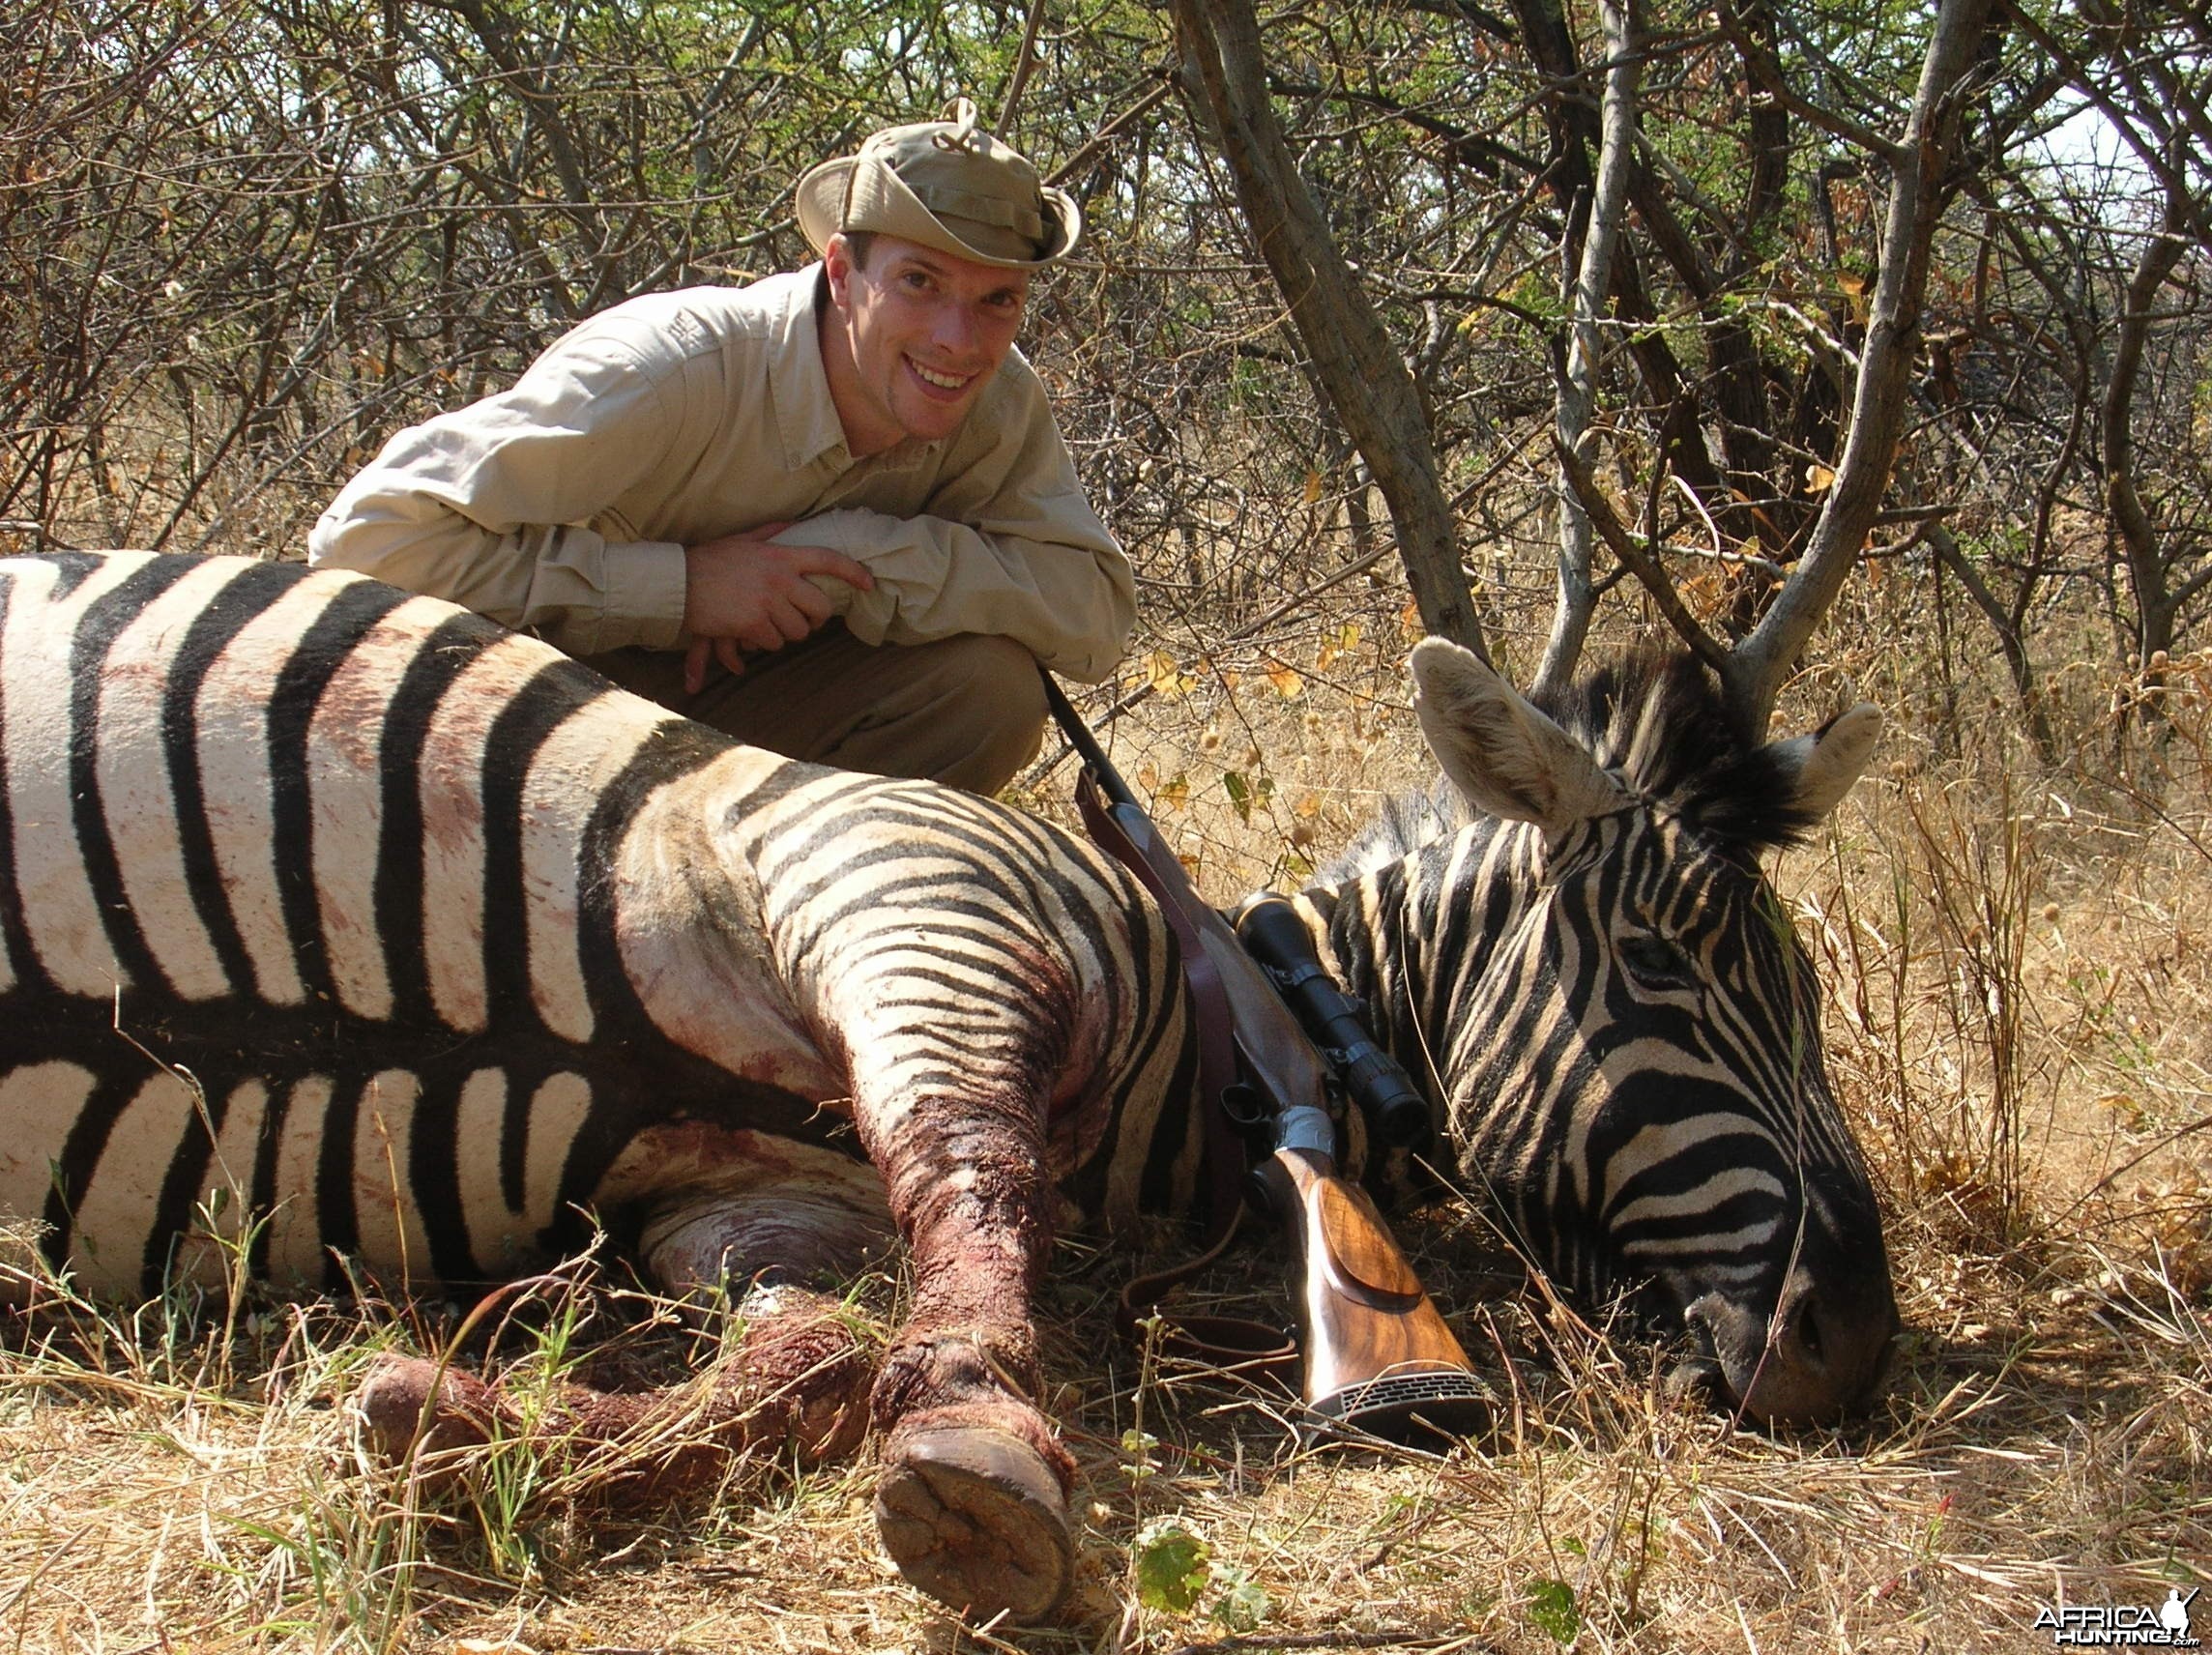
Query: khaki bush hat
[945, 185]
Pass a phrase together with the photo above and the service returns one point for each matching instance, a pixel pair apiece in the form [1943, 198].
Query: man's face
[911, 341]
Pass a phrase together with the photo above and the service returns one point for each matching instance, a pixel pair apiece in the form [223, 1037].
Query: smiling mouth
[939, 380]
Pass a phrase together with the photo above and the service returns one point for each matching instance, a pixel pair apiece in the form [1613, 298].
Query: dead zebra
[459, 942]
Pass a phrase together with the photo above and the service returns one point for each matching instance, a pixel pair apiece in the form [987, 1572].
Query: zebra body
[430, 948]
[440, 943]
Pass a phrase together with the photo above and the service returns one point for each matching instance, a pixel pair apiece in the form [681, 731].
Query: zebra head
[1621, 1021]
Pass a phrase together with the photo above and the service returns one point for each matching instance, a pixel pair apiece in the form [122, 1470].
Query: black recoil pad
[1396, 1113]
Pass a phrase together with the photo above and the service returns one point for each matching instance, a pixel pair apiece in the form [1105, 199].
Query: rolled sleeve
[1071, 606]
[492, 505]
[586, 599]
[1006, 545]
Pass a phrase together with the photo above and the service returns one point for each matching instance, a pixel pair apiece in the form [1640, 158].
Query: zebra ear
[1504, 756]
[1827, 762]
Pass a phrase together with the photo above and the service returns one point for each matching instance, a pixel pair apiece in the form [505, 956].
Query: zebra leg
[972, 1503]
[795, 1382]
[799, 1379]
[802, 1370]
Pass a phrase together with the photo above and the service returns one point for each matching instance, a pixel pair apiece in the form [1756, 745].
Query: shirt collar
[805, 418]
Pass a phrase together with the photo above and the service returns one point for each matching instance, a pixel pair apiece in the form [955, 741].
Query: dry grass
[2018, 982]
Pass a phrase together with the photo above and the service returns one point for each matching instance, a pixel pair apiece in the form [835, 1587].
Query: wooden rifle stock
[1378, 1357]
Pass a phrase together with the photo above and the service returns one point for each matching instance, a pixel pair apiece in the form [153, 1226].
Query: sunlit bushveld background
[241, 242]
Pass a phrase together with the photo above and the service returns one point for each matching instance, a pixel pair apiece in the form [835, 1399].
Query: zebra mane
[1656, 720]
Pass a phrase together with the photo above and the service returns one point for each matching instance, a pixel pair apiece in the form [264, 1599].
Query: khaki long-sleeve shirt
[564, 505]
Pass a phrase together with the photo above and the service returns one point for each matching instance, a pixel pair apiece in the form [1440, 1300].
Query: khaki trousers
[968, 711]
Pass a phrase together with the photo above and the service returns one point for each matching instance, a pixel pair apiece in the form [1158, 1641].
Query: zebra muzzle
[1819, 1354]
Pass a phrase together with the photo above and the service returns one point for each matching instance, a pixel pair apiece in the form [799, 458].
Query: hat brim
[895, 210]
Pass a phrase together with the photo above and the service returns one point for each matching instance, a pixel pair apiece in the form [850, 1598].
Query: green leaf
[1169, 1563]
[1552, 1607]
[1139, 1446]
[1243, 1604]
[1240, 793]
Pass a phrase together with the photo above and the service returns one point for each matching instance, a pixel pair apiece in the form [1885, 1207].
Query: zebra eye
[1653, 957]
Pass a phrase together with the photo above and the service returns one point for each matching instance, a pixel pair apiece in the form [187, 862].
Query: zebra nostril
[1810, 1355]
[1809, 1331]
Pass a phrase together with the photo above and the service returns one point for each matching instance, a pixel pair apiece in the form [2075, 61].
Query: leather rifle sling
[1236, 1344]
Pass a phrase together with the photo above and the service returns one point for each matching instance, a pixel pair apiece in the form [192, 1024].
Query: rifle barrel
[1084, 743]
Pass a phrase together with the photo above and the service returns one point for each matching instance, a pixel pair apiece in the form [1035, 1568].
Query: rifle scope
[1272, 934]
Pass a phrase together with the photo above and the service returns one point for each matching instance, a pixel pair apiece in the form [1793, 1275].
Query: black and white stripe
[392, 896]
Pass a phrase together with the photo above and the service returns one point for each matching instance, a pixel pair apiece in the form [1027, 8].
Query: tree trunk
[1576, 598]
[2139, 537]
[1351, 353]
[2006, 625]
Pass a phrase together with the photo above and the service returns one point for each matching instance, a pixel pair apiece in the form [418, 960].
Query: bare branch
[1351, 354]
[1024, 59]
[1586, 305]
[1647, 568]
[1766, 68]
[1920, 184]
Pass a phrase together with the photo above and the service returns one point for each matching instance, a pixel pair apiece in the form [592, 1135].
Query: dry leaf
[1336, 646]
[1168, 680]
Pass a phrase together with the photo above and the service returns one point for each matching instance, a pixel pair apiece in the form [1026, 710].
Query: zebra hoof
[407, 1403]
[976, 1518]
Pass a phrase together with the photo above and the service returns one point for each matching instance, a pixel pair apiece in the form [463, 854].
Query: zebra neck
[1414, 937]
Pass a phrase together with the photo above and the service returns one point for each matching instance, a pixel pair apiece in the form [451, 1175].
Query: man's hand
[743, 591]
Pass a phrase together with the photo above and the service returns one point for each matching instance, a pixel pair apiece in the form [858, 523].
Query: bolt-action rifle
[1378, 1357]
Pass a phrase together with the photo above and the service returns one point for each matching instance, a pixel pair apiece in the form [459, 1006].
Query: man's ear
[838, 265]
